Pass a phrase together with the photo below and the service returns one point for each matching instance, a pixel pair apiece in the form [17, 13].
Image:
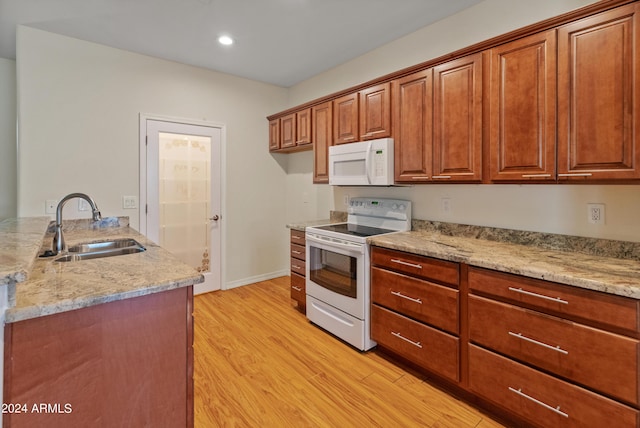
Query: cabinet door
[522, 115]
[303, 127]
[375, 112]
[457, 139]
[274, 134]
[598, 95]
[288, 131]
[413, 126]
[345, 119]
[322, 117]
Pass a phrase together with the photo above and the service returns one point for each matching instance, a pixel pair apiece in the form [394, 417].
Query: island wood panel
[123, 363]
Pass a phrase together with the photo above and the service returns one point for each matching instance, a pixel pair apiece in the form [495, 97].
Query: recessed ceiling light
[225, 40]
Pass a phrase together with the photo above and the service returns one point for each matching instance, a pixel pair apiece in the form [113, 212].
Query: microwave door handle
[367, 161]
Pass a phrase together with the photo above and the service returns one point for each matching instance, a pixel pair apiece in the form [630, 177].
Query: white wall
[79, 106]
[545, 208]
[8, 174]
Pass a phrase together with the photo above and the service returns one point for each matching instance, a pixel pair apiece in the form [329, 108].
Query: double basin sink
[100, 249]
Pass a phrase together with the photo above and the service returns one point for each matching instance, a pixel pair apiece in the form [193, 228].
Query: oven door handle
[331, 242]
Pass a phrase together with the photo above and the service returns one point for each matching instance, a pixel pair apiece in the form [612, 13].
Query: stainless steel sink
[100, 249]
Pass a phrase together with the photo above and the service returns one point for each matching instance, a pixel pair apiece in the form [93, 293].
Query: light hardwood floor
[260, 363]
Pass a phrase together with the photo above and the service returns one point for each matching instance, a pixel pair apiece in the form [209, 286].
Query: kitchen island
[100, 342]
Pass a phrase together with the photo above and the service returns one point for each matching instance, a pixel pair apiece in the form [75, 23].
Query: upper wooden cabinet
[375, 112]
[274, 134]
[522, 109]
[457, 116]
[598, 96]
[413, 126]
[322, 118]
[291, 132]
[303, 127]
[345, 119]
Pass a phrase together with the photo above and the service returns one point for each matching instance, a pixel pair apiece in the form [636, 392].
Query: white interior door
[183, 195]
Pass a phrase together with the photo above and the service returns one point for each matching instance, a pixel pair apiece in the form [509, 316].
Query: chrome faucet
[58, 239]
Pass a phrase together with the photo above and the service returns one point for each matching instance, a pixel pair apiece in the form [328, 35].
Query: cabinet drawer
[590, 306]
[430, 348]
[298, 251]
[416, 298]
[424, 267]
[297, 237]
[595, 358]
[542, 399]
[298, 288]
[298, 266]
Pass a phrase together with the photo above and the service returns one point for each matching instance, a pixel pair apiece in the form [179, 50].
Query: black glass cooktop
[355, 229]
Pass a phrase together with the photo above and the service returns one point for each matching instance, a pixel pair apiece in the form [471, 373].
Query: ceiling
[281, 42]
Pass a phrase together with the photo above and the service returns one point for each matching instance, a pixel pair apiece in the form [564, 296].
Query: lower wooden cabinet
[540, 399]
[298, 268]
[429, 348]
[540, 353]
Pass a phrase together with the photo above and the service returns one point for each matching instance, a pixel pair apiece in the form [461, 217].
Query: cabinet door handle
[399, 336]
[545, 405]
[296, 288]
[413, 265]
[576, 174]
[296, 252]
[536, 342]
[540, 296]
[420, 178]
[441, 176]
[399, 294]
[535, 175]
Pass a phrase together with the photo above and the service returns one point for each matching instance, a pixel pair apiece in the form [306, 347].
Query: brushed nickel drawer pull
[296, 288]
[420, 178]
[413, 265]
[541, 296]
[545, 405]
[399, 336]
[296, 252]
[296, 237]
[535, 175]
[528, 339]
[442, 176]
[296, 267]
[399, 294]
[576, 174]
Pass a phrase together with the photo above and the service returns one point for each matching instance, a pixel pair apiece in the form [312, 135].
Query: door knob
[214, 218]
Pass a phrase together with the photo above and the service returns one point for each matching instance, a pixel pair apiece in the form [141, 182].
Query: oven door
[336, 273]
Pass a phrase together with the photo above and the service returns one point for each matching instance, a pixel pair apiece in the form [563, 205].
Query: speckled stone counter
[608, 266]
[45, 287]
[334, 217]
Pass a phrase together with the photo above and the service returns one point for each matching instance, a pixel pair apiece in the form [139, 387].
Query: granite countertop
[302, 225]
[613, 275]
[42, 286]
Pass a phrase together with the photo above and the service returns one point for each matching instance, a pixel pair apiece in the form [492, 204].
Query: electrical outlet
[345, 200]
[50, 206]
[129, 202]
[445, 205]
[595, 213]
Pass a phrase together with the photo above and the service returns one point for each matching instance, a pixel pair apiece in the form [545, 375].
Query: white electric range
[337, 268]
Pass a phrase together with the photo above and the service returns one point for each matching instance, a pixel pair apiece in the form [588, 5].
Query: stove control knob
[402, 207]
[394, 206]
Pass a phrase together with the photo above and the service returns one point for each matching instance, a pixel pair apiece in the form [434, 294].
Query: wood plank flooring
[260, 363]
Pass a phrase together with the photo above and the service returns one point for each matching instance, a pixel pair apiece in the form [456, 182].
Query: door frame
[142, 207]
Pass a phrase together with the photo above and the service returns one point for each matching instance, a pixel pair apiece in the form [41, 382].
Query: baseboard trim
[254, 279]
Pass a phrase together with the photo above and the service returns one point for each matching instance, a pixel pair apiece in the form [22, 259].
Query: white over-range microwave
[369, 163]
